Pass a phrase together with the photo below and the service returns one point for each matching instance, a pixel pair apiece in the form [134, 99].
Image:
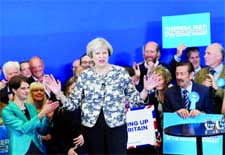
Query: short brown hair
[190, 66]
[15, 82]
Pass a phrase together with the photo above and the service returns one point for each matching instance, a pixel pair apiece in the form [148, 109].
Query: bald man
[151, 55]
[214, 56]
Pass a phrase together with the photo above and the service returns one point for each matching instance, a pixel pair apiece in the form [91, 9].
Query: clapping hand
[210, 81]
[48, 108]
[136, 69]
[49, 115]
[137, 73]
[2, 84]
[150, 67]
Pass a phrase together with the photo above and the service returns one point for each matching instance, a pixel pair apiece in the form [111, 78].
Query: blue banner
[189, 29]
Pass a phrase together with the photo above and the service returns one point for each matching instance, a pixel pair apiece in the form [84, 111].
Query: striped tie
[185, 99]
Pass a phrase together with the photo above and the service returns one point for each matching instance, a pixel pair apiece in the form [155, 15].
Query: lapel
[178, 94]
[193, 87]
[12, 105]
[31, 109]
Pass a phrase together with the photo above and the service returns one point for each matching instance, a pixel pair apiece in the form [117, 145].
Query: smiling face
[37, 67]
[150, 52]
[194, 59]
[101, 56]
[86, 62]
[162, 83]
[11, 71]
[22, 92]
[183, 76]
[38, 94]
[25, 69]
[213, 56]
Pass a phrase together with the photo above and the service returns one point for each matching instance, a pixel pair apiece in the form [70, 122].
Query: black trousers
[101, 139]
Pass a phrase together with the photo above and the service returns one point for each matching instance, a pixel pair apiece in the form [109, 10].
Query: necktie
[185, 99]
[212, 71]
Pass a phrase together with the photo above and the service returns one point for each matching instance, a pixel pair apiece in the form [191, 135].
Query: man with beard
[151, 54]
[86, 62]
[176, 97]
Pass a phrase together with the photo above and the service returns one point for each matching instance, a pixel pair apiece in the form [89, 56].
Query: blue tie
[185, 99]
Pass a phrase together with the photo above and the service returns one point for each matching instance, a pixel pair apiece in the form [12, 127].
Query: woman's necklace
[102, 71]
[21, 106]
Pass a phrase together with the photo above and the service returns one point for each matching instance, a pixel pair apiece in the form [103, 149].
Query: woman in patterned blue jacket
[101, 92]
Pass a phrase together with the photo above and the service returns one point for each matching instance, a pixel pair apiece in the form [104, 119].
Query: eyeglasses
[87, 62]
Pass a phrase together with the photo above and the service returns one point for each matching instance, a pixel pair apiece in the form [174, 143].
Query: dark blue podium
[197, 130]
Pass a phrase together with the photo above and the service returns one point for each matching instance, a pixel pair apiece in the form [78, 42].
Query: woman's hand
[46, 137]
[78, 140]
[49, 115]
[71, 152]
[136, 68]
[158, 140]
[48, 107]
[52, 84]
[151, 82]
[2, 84]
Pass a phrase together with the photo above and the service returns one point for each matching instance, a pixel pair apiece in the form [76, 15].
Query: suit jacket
[22, 131]
[174, 101]
[218, 94]
[31, 79]
[4, 98]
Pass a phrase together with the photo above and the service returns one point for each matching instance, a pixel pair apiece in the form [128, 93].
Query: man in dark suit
[10, 69]
[175, 99]
[151, 54]
[193, 56]
[37, 70]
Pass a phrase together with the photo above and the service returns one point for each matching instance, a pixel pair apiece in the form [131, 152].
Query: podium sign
[141, 126]
[187, 145]
[4, 140]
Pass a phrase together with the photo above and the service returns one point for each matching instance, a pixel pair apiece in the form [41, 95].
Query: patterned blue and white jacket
[94, 93]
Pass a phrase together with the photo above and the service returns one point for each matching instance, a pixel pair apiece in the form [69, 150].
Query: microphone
[103, 86]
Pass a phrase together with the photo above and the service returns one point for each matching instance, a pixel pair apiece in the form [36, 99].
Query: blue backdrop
[58, 30]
